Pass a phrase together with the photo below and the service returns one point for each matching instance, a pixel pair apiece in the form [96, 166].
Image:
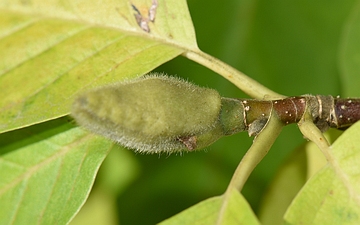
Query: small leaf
[332, 196]
[237, 211]
[206, 212]
[46, 182]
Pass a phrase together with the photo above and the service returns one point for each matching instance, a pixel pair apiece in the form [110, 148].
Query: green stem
[262, 143]
[242, 81]
[312, 132]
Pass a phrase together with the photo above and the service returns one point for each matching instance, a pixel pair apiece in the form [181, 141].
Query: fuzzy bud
[153, 114]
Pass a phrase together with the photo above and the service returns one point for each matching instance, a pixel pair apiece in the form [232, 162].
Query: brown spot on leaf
[188, 141]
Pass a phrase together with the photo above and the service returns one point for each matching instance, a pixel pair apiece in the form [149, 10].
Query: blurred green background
[292, 47]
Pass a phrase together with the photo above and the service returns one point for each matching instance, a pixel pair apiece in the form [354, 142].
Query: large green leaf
[49, 51]
[48, 180]
[332, 196]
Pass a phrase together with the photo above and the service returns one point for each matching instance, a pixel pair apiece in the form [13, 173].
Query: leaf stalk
[242, 81]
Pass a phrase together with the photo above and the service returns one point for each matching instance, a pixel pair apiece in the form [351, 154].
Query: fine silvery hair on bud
[152, 114]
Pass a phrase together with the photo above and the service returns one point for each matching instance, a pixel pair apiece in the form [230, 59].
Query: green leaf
[350, 53]
[237, 211]
[47, 181]
[204, 212]
[50, 51]
[332, 196]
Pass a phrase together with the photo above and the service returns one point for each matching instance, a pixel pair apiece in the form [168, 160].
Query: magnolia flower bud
[156, 114]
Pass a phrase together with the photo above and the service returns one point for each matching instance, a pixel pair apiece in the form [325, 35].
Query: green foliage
[47, 179]
[67, 56]
[332, 196]
[51, 51]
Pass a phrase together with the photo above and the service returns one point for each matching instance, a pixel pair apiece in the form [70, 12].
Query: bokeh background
[292, 47]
